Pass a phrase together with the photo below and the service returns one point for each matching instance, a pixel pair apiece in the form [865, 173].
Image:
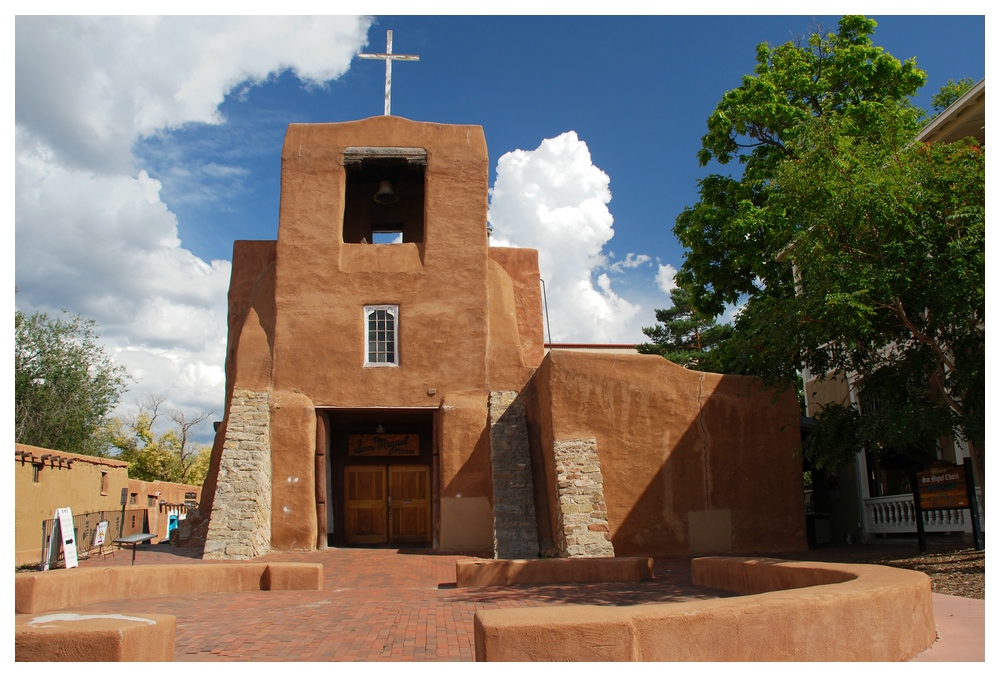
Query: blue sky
[145, 147]
[637, 90]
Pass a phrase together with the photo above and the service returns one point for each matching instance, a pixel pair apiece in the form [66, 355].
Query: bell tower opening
[384, 197]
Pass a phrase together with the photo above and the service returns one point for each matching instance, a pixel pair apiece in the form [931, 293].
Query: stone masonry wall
[582, 515]
[240, 525]
[515, 532]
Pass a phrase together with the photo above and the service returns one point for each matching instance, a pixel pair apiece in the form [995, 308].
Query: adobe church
[387, 382]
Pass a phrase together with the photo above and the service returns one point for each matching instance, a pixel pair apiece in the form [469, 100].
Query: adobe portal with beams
[368, 333]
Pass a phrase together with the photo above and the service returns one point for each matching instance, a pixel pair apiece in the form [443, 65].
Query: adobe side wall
[77, 487]
[161, 500]
[516, 340]
[248, 361]
[692, 462]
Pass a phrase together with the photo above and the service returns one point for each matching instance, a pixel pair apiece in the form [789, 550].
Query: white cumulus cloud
[665, 274]
[92, 234]
[554, 199]
[632, 260]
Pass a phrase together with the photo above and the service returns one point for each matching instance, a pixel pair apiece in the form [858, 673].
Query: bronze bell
[385, 196]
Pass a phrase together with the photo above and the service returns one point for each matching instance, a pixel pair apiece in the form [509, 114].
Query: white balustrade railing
[896, 515]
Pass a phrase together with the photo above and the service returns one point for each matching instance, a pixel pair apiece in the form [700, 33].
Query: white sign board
[62, 537]
[100, 534]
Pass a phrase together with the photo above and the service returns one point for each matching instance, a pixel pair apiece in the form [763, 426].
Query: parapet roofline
[967, 115]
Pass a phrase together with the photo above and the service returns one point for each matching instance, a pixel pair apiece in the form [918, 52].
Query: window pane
[381, 335]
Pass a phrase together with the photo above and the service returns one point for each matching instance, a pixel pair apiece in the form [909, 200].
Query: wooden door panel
[409, 487]
[365, 505]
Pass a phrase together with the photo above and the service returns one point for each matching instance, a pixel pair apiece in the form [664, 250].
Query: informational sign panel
[101, 534]
[943, 488]
[124, 495]
[64, 538]
[383, 445]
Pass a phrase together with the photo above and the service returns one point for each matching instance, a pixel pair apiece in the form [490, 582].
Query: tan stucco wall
[323, 284]
[38, 592]
[790, 611]
[515, 304]
[46, 637]
[470, 319]
[466, 507]
[77, 488]
[167, 497]
[250, 338]
[692, 462]
[293, 483]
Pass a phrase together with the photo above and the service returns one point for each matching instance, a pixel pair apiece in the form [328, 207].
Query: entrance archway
[380, 476]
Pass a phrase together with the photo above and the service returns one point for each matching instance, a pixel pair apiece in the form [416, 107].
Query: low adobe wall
[94, 637]
[113, 637]
[470, 572]
[65, 588]
[793, 611]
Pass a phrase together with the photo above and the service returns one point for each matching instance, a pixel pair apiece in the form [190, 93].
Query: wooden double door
[387, 504]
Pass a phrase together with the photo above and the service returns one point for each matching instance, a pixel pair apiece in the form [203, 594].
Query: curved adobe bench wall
[481, 572]
[44, 636]
[793, 611]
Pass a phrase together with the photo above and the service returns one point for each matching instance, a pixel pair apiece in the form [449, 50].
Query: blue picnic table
[134, 540]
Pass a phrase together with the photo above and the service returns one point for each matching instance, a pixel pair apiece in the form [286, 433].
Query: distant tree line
[66, 387]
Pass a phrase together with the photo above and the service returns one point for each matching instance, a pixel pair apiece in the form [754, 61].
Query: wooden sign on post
[943, 488]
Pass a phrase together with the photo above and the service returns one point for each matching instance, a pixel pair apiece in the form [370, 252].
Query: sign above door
[383, 445]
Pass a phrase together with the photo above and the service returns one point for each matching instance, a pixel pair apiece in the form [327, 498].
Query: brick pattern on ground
[515, 531]
[240, 524]
[379, 604]
[583, 529]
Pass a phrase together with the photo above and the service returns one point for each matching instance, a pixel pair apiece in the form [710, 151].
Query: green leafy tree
[855, 249]
[65, 384]
[950, 93]
[170, 456]
[685, 336]
[732, 236]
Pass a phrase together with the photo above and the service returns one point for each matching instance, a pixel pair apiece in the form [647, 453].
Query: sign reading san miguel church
[384, 445]
[943, 488]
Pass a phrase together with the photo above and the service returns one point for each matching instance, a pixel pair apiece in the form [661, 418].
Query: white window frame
[392, 311]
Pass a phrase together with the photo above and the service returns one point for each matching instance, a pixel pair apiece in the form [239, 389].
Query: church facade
[387, 382]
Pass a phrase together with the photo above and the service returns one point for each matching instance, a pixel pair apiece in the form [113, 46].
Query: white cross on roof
[389, 58]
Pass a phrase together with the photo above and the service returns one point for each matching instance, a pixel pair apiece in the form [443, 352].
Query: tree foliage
[686, 336]
[170, 456]
[855, 249]
[950, 93]
[65, 384]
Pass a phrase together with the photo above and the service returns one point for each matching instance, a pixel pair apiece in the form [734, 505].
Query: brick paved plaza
[381, 604]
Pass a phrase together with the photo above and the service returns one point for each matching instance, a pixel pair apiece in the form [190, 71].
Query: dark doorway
[380, 476]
